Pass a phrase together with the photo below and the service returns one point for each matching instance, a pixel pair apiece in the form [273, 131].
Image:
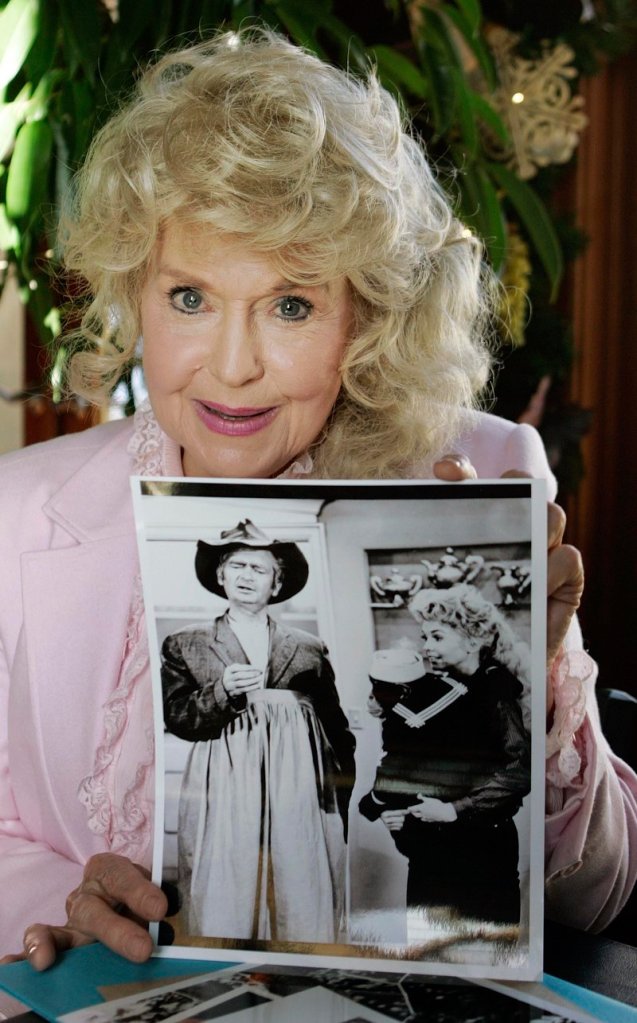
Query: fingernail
[31, 949]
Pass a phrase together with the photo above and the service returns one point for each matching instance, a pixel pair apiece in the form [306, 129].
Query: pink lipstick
[234, 422]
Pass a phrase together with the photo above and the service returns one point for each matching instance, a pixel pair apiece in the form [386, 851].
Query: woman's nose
[234, 357]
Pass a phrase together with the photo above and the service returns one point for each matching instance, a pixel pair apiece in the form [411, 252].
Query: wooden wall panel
[602, 517]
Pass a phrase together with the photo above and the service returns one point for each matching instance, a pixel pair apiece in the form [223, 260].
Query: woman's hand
[113, 904]
[565, 572]
[565, 580]
[430, 809]
[241, 678]
[393, 819]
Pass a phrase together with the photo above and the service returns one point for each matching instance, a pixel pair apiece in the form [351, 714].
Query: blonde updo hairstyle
[463, 607]
[252, 136]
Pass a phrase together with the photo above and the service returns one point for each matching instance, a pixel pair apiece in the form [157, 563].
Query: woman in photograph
[267, 230]
[265, 793]
[456, 759]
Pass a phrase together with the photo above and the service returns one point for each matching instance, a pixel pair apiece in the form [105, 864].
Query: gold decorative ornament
[534, 99]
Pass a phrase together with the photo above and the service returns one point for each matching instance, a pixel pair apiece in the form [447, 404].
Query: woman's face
[448, 647]
[242, 367]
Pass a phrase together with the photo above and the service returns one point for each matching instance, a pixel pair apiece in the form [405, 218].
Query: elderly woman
[273, 758]
[309, 307]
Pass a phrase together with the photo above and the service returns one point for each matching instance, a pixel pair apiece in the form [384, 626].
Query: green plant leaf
[213, 13]
[464, 113]
[301, 29]
[188, 13]
[436, 33]
[28, 170]
[536, 220]
[42, 55]
[476, 44]
[481, 209]
[41, 99]
[483, 110]
[18, 28]
[472, 12]
[82, 26]
[11, 117]
[352, 47]
[40, 303]
[134, 17]
[492, 220]
[9, 234]
[83, 100]
[440, 57]
[398, 69]
[440, 98]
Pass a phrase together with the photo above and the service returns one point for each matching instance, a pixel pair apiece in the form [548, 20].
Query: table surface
[590, 961]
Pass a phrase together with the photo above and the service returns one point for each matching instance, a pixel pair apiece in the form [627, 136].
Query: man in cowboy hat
[226, 680]
[207, 672]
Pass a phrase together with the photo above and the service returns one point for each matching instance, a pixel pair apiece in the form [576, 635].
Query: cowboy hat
[209, 557]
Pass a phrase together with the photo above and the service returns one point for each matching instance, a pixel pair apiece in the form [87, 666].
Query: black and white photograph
[267, 994]
[346, 678]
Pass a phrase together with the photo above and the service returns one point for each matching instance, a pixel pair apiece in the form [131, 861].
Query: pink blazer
[68, 558]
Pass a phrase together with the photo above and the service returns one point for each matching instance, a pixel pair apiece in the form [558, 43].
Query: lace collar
[155, 454]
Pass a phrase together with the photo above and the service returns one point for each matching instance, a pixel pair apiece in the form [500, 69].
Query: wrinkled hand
[113, 904]
[565, 572]
[241, 678]
[430, 809]
[565, 580]
[393, 819]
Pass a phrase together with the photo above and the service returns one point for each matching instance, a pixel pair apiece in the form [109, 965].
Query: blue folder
[73, 981]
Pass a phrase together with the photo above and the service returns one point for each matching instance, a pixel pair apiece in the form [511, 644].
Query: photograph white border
[224, 495]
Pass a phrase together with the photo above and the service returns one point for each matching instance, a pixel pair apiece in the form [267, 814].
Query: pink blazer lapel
[76, 602]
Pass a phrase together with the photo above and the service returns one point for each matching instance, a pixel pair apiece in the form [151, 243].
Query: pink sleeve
[495, 445]
[34, 880]
[591, 822]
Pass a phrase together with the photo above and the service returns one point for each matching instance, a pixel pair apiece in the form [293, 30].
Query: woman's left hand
[113, 904]
[430, 809]
[565, 572]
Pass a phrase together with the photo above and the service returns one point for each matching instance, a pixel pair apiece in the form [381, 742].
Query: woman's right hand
[113, 904]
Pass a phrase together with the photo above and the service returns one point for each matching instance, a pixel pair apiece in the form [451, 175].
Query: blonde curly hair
[463, 607]
[253, 136]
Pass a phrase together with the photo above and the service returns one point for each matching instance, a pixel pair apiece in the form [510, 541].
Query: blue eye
[186, 300]
[291, 308]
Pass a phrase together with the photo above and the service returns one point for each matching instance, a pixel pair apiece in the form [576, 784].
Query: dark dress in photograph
[461, 740]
